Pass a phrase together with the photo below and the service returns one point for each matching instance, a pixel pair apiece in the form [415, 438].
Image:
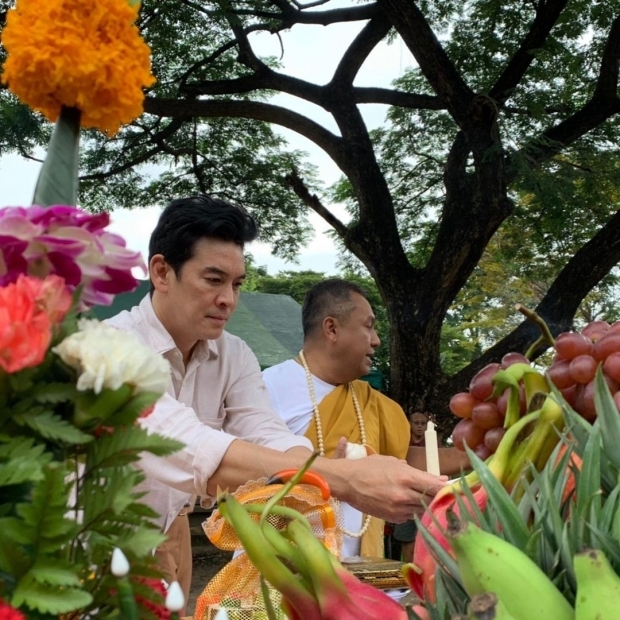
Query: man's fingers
[341, 449]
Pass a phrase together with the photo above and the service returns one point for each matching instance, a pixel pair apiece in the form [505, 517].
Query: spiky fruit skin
[598, 587]
[488, 563]
[423, 583]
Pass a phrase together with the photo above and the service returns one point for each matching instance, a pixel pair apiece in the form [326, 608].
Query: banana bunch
[489, 564]
[505, 584]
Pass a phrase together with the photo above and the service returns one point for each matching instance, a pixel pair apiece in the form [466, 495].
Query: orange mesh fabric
[236, 587]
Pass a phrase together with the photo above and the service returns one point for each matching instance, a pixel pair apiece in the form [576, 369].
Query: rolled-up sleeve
[190, 468]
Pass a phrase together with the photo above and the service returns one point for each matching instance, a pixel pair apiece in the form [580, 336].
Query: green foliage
[68, 495]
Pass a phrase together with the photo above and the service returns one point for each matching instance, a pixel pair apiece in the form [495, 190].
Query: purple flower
[71, 243]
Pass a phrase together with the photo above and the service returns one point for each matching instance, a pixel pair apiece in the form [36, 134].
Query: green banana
[534, 383]
[488, 563]
[537, 448]
[598, 587]
[487, 606]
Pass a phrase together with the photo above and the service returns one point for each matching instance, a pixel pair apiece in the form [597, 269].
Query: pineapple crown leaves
[555, 513]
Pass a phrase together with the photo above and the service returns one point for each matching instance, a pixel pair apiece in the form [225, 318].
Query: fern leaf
[54, 393]
[48, 598]
[125, 445]
[44, 516]
[52, 426]
[22, 461]
[55, 572]
[133, 409]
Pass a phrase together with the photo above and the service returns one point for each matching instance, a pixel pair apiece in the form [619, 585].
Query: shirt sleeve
[190, 468]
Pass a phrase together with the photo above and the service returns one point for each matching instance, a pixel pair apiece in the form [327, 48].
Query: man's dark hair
[328, 298]
[186, 220]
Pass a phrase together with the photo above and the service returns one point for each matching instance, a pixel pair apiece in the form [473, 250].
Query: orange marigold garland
[81, 54]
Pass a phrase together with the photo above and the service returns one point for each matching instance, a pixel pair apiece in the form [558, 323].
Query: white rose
[107, 357]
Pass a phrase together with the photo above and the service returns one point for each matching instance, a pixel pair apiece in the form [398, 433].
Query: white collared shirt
[218, 398]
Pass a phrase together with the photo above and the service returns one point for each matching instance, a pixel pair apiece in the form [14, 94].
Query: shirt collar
[162, 342]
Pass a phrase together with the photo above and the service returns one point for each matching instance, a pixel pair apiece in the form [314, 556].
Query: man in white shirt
[217, 404]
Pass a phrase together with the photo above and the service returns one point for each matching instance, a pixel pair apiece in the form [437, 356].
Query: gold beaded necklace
[319, 430]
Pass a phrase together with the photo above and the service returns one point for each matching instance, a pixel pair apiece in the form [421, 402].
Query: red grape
[492, 438]
[461, 404]
[485, 415]
[513, 358]
[466, 432]
[482, 452]
[586, 404]
[560, 375]
[570, 393]
[571, 344]
[480, 386]
[614, 328]
[611, 367]
[583, 368]
[608, 344]
[595, 330]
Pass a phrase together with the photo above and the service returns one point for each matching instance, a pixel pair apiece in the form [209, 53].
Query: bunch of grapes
[577, 357]
[482, 423]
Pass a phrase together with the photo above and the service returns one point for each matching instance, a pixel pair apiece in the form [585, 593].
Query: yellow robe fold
[387, 431]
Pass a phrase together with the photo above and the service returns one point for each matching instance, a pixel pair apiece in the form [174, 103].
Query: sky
[311, 53]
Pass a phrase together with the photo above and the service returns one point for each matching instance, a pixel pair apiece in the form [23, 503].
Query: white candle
[432, 451]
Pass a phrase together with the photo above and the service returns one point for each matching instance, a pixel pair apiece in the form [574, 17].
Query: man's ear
[330, 328]
[160, 273]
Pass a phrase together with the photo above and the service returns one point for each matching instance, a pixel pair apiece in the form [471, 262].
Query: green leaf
[514, 529]
[58, 179]
[53, 427]
[130, 412]
[142, 541]
[55, 572]
[44, 516]
[608, 418]
[125, 445]
[589, 482]
[48, 598]
[54, 393]
[22, 461]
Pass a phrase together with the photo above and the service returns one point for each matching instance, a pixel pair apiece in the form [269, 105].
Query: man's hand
[382, 486]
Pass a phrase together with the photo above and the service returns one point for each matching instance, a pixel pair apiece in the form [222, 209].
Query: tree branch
[434, 63]
[186, 109]
[363, 44]
[603, 105]
[546, 17]
[313, 201]
[397, 98]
